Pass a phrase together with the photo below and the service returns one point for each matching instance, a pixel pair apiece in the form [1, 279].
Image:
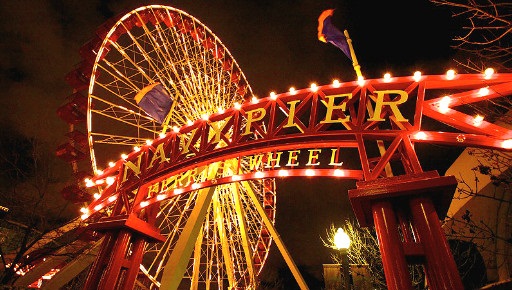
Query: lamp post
[342, 243]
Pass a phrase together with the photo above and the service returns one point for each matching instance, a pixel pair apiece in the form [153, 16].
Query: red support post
[393, 257]
[440, 266]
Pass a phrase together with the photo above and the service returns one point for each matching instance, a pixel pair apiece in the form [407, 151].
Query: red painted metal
[393, 257]
[440, 267]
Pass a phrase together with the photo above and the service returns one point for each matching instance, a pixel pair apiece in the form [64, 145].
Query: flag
[329, 33]
[155, 101]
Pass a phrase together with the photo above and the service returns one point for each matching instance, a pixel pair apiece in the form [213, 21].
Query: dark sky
[274, 42]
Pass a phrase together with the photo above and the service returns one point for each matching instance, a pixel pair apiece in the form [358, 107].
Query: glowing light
[96, 195]
[89, 183]
[310, 172]
[478, 120]
[283, 172]
[461, 138]
[176, 129]
[178, 191]
[339, 172]
[111, 164]
[237, 106]
[112, 198]
[273, 96]
[161, 135]
[190, 123]
[488, 73]
[100, 181]
[220, 110]
[507, 144]
[336, 83]
[195, 186]
[205, 117]
[483, 91]
[99, 172]
[314, 87]
[236, 178]
[259, 174]
[254, 100]
[110, 180]
[387, 77]
[360, 81]
[417, 76]
[144, 203]
[84, 216]
[136, 148]
[292, 91]
[450, 74]
[84, 210]
[98, 207]
[124, 156]
[161, 197]
[341, 239]
[149, 142]
[444, 104]
[420, 135]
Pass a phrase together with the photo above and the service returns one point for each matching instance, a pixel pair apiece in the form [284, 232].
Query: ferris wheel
[164, 48]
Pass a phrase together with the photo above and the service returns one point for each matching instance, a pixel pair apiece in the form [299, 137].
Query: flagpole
[355, 64]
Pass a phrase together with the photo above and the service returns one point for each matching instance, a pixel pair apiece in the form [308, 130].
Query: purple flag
[329, 33]
[155, 101]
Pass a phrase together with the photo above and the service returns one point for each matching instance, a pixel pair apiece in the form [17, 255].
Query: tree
[485, 41]
[35, 208]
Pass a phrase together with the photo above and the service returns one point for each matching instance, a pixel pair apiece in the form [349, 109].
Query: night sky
[275, 44]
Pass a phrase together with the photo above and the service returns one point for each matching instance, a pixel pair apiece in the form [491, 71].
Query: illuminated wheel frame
[163, 44]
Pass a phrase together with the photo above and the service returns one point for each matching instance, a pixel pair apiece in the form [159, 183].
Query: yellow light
[99, 181]
[259, 174]
[96, 195]
[136, 148]
[314, 87]
[178, 191]
[144, 203]
[273, 96]
[111, 180]
[254, 100]
[417, 76]
[341, 239]
[507, 144]
[387, 77]
[84, 216]
[339, 172]
[149, 142]
[112, 198]
[283, 172]
[336, 83]
[89, 183]
[483, 91]
[98, 207]
[176, 129]
[310, 172]
[111, 164]
[161, 197]
[220, 110]
[195, 186]
[444, 104]
[204, 117]
[420, 135]
[488, 73]
[450, 74]
[161, 135]
[360, 81]
[190, 123]
[84, 210]
[99, 172]
[478, 120]
[292, 91]
[124, 156]
[236, 178]
[237, 105]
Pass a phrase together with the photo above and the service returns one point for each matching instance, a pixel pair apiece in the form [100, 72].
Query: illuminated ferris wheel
[152, 70]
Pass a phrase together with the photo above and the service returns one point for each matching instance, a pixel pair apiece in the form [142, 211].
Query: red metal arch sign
[307, 132]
